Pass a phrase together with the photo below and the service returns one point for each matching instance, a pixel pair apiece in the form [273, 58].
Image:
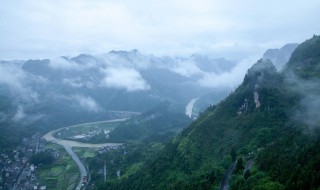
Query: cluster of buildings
[89, 135]
[105, 149]
[86, 136]
[16, 172]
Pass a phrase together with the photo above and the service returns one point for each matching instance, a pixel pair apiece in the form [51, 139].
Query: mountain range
[87, 87]
[253, 139]
[51, 93]
[264, 135]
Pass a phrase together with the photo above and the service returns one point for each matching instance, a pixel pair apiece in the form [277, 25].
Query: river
[50, 138]
[68, 144]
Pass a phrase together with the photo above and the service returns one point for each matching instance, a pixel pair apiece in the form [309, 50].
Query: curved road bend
[67, 144]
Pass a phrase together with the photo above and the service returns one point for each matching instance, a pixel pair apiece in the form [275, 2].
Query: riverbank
[68, 144]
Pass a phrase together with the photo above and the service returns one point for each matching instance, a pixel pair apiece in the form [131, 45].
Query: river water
[50, 138]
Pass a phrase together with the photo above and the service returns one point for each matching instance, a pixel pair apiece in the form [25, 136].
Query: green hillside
[306, 58]
[256, 132]
[158, 124]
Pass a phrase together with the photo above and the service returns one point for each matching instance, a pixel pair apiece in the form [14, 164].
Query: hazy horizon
[232, 29]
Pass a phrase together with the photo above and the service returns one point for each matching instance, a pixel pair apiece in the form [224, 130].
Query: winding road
[68, 144]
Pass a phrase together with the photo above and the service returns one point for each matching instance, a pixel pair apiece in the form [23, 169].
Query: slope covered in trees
[306, 58]
[264, 128]
[156, 125]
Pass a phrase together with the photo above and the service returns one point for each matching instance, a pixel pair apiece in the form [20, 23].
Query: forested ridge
[263, 127]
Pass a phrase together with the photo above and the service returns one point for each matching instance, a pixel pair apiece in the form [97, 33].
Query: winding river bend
[50, 138]
[68, 144]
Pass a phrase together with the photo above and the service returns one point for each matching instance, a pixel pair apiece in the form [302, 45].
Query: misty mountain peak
[36, 67]
[212, 64]
[123, 53]
[83, 58]
[262, 73]
[280, 57]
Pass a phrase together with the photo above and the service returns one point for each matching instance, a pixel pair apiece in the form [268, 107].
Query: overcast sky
[229, 28]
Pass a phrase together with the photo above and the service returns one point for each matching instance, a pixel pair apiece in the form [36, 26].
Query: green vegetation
[92, 133]
[128, 159]
[45, 158]
[156, 125]
[306, 58]
[85, 152]
[273, 146]
[61, 174]
[266, 132]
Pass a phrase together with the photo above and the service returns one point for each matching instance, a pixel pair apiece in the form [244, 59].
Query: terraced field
[62, 174]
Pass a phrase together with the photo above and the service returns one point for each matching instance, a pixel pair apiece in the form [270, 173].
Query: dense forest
[266, 133]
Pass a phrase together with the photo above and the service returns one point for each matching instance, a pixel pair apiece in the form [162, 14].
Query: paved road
[83, 171]
[67, 144]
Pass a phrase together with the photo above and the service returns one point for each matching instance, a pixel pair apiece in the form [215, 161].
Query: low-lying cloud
[229, 78]
[21, 116]
[17, 80]
[87, 103]
[308, 112]
[128, 79]
[186, 68]
[129, 59]
[61, 63]
[78, 83]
